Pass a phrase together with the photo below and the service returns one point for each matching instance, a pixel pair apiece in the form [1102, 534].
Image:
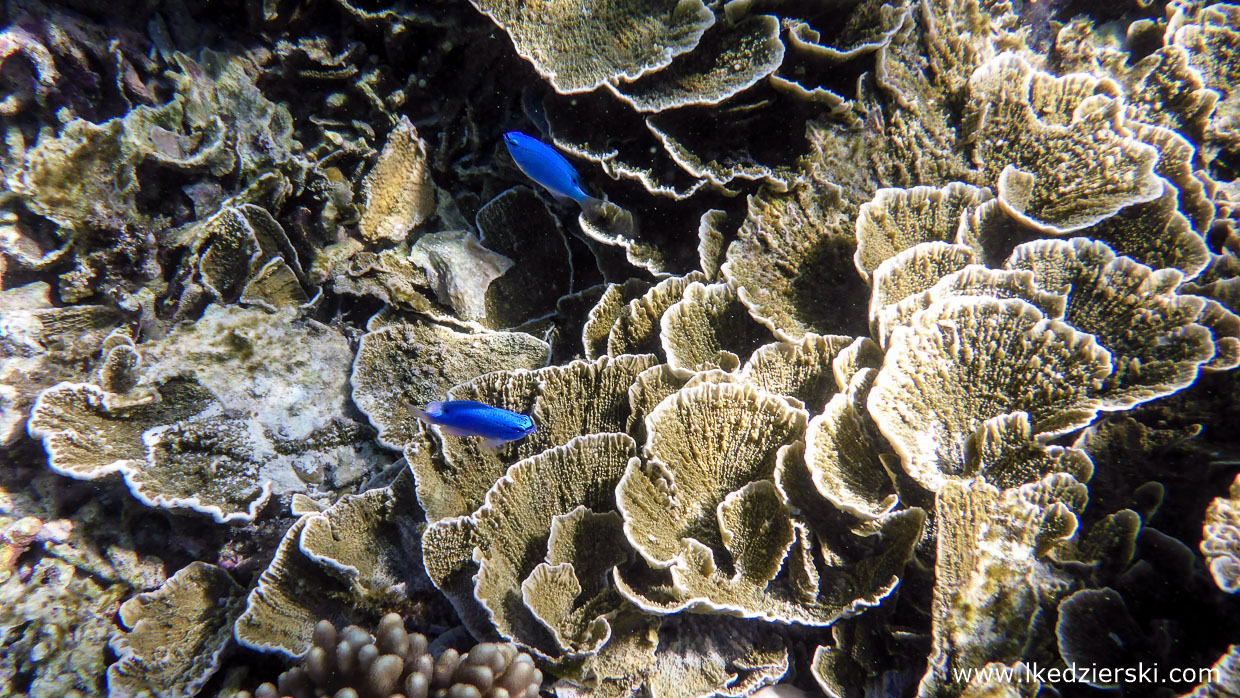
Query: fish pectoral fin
[455, 431]
[493, 444]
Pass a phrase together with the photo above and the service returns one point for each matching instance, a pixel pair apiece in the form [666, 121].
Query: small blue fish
[541, 163]
[468, 418]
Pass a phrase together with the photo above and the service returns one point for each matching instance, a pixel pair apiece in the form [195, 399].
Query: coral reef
[897, 347]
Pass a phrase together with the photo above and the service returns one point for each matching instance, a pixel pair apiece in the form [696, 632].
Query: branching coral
[394, 662]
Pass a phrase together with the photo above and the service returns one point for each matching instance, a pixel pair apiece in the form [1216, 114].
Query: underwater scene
[620, 348]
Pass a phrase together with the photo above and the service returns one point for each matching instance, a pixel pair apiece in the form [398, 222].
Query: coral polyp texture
[393, 662]
[882, 349]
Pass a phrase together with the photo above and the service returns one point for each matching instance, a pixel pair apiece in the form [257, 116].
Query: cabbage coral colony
[893, 348]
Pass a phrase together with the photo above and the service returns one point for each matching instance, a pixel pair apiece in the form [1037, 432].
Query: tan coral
[711, 248]
[991, 546]
[1152, 333]
[709, 327]
[730, 58]
[231, 247]
[518, 225]
[606, 313]
[513, 579]
[177, 451]
[389, 276]
[685, 656]
[959, 38]
[176, 634]
[1060, 161]
[863, 353]
[1003, 453]
[910, 273]
[679, 133]
[578, 52]
[1178, 164]
[353, 554]
[793, 252]
[1220, 540]
[898, 219]
[399, 193]
[972, 280]
[608, 224]
[1222, 679]
[1209, 35]
[965, 360]
[86, 175]
[212, 424]
[403, 366]
[459, 269]
[643, 159]
[86, 438]
[704, 505]
[703, 443]
[916, 142]
[700, 655]
[635, 329]
[41, 345]
[555, 397]
[1155, 234]
[868, 27]
[274, 286]
[651, 387]
[842, 452]
[801, 370]
[1162, 89]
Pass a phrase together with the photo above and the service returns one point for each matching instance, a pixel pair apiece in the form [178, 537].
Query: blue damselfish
[468, 418]
[544, 165]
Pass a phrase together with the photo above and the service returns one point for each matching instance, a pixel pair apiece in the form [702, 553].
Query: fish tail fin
[423, 416]
[593, 206]
[431, 414]
[608, 216]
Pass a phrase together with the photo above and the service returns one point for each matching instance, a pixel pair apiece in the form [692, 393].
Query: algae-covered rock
[228, 411]
[54, 628]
